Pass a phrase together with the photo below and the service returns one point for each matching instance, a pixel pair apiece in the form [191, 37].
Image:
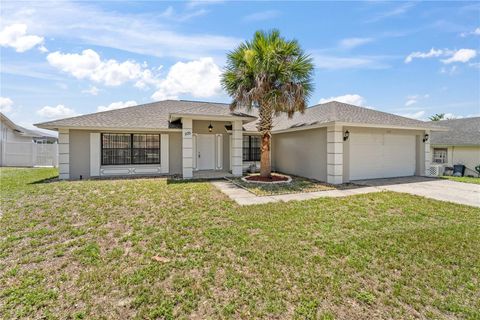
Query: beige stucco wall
[175, 152]
[468, 156]
[80, 153]
[201, 127]
[302, 153]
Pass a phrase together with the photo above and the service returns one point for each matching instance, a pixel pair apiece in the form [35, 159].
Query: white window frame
[440, 155]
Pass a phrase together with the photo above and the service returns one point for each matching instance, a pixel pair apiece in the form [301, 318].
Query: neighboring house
[460, 145]
[19, 147]
[333, 142]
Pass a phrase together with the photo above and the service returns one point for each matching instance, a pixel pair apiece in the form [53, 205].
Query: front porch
[209, 150]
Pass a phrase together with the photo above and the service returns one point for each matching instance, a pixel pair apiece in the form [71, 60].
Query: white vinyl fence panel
[29, 154]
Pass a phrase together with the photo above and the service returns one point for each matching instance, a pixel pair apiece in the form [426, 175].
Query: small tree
[271, 74]
[437, 117]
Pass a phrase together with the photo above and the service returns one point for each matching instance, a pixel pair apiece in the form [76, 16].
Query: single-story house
[333, 142]
[19, 145]
[460, 145]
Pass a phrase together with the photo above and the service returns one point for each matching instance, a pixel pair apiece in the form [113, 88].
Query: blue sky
[62, 58]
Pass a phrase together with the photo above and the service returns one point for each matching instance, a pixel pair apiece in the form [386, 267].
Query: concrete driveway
[439, 189]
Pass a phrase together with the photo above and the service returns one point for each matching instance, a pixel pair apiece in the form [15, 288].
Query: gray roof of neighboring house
[147, 116]
[462, 132]
[24, 131]
[157, 116]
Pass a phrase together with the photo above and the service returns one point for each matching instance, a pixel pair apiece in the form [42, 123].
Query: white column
[237, 141]
[164, 153]
[64, 154]
[94, 154]
[335, 154]
[187, 148]
[219, 151]
[428, 156]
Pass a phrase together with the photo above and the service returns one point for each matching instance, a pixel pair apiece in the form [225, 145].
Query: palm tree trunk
[265, 163]
[265, 127]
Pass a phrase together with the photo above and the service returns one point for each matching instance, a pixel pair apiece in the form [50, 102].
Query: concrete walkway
[245, 198]
[438, 189]
[433, 188]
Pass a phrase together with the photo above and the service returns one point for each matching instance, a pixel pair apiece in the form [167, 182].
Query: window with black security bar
[128, 148]
[251, 148]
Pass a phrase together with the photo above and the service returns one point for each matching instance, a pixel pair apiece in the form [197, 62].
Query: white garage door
[376, 155]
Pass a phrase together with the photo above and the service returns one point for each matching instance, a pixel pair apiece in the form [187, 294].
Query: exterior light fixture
[210, 127]
[346, 134]
[425, 137]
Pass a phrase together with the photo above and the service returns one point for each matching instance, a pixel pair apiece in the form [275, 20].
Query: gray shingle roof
[462, 132]
[157, 115]
[342, 112]
[148, 116]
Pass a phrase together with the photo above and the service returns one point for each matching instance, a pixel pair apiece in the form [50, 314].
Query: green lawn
[150, 248]
[463, 179]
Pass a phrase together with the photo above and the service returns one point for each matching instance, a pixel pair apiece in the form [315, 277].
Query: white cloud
[354, 99]
[145, 33]
[350, 43]
[423, 55]
[448, 70]
[262, 15]
[410, 102]
[5, 104]
[396, 11]
[15, 36]
[199, 78]
[92, 90]
[89, 65]
[60, 111]
[475, 32]
[419, 115]
[117, 105]
[413, 99]
[196, 3]
[170, 13]
[462, 55]
[334, 63]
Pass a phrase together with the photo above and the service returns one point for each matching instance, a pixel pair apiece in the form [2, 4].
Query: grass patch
[463, 179]
[297, 185]
[147, 249]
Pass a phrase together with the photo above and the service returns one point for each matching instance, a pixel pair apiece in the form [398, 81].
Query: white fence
[29, 154]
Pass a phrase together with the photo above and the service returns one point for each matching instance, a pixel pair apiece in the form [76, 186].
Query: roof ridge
[201, 101]
[379, 111]
[106, 111]
[458, 119]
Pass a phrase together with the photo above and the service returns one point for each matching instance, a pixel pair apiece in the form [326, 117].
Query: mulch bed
[272, 178]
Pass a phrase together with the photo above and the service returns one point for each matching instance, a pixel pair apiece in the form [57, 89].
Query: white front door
[205, 152]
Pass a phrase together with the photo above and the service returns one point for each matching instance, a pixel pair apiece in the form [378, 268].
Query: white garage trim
[63, 154]
[381, 155]
[335, 154]
[95, 150]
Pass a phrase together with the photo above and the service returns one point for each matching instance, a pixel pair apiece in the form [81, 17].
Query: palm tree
[437, 117]
[273, 75]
